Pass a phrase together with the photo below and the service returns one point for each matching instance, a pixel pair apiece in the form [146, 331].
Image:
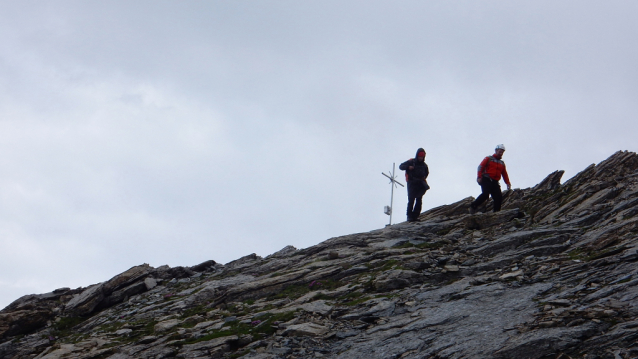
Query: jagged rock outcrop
[553, 275]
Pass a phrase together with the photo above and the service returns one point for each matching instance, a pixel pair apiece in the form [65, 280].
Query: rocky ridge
[553, 275]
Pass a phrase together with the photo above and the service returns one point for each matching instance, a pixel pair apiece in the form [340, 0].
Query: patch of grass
[79, 338]
[68, 323]
[140, 329]
[111, 327]
[147, 329]
[267, 307]
[589, 255]
[353, 298]
[431, 245]
[63, 328]
[17, 338]
[170, 297]
[291, 291]
[173, 336]
[237, 311]
[295, 291]
[389, 264]
[237, 329]
[405, 245]
[188, 325]
[445, 231]
[200, 309]
[264, 328]
[321, 297]
[352, 303]
[351, 295]
[592, 255]
[577, 253]
[369, 286]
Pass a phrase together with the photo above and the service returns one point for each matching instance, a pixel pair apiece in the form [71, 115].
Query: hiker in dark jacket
[416, 172]
[489, 174]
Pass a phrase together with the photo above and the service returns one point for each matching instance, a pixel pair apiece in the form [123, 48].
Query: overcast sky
[173, 132]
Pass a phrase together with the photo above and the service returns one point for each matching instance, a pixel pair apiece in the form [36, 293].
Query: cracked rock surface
[553, 275]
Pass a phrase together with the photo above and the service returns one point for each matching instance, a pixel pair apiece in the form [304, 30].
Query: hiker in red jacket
[489, 173]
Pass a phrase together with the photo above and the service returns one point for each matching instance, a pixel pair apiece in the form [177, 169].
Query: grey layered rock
[86, 301]
[319, 307]
[204, 266]
[109, 293]
[123, 331]
[150, 283]
[395, 279]
[306, 329]
[486, 220]
[553, 275]
[284, 252]
[167, 325]
[206, 349]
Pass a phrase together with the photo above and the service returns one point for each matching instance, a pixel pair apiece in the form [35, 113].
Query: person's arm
[482, 168]
[427, 171]
[406, 165]
[506, 178]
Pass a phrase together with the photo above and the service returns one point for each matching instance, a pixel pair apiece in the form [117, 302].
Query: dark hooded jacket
[418, 175]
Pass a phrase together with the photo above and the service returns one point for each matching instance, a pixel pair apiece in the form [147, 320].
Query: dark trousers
[416, 191]
[489, 187]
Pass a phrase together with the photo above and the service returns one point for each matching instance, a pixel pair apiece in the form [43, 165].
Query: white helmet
[500, 147]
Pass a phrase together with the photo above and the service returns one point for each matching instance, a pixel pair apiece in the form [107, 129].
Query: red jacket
[494, 168]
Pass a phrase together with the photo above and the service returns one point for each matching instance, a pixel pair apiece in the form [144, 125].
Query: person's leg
[416, 212]
[497, 196]
[410, 206]
[485, 193]
[411, 199]
[417, 207]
